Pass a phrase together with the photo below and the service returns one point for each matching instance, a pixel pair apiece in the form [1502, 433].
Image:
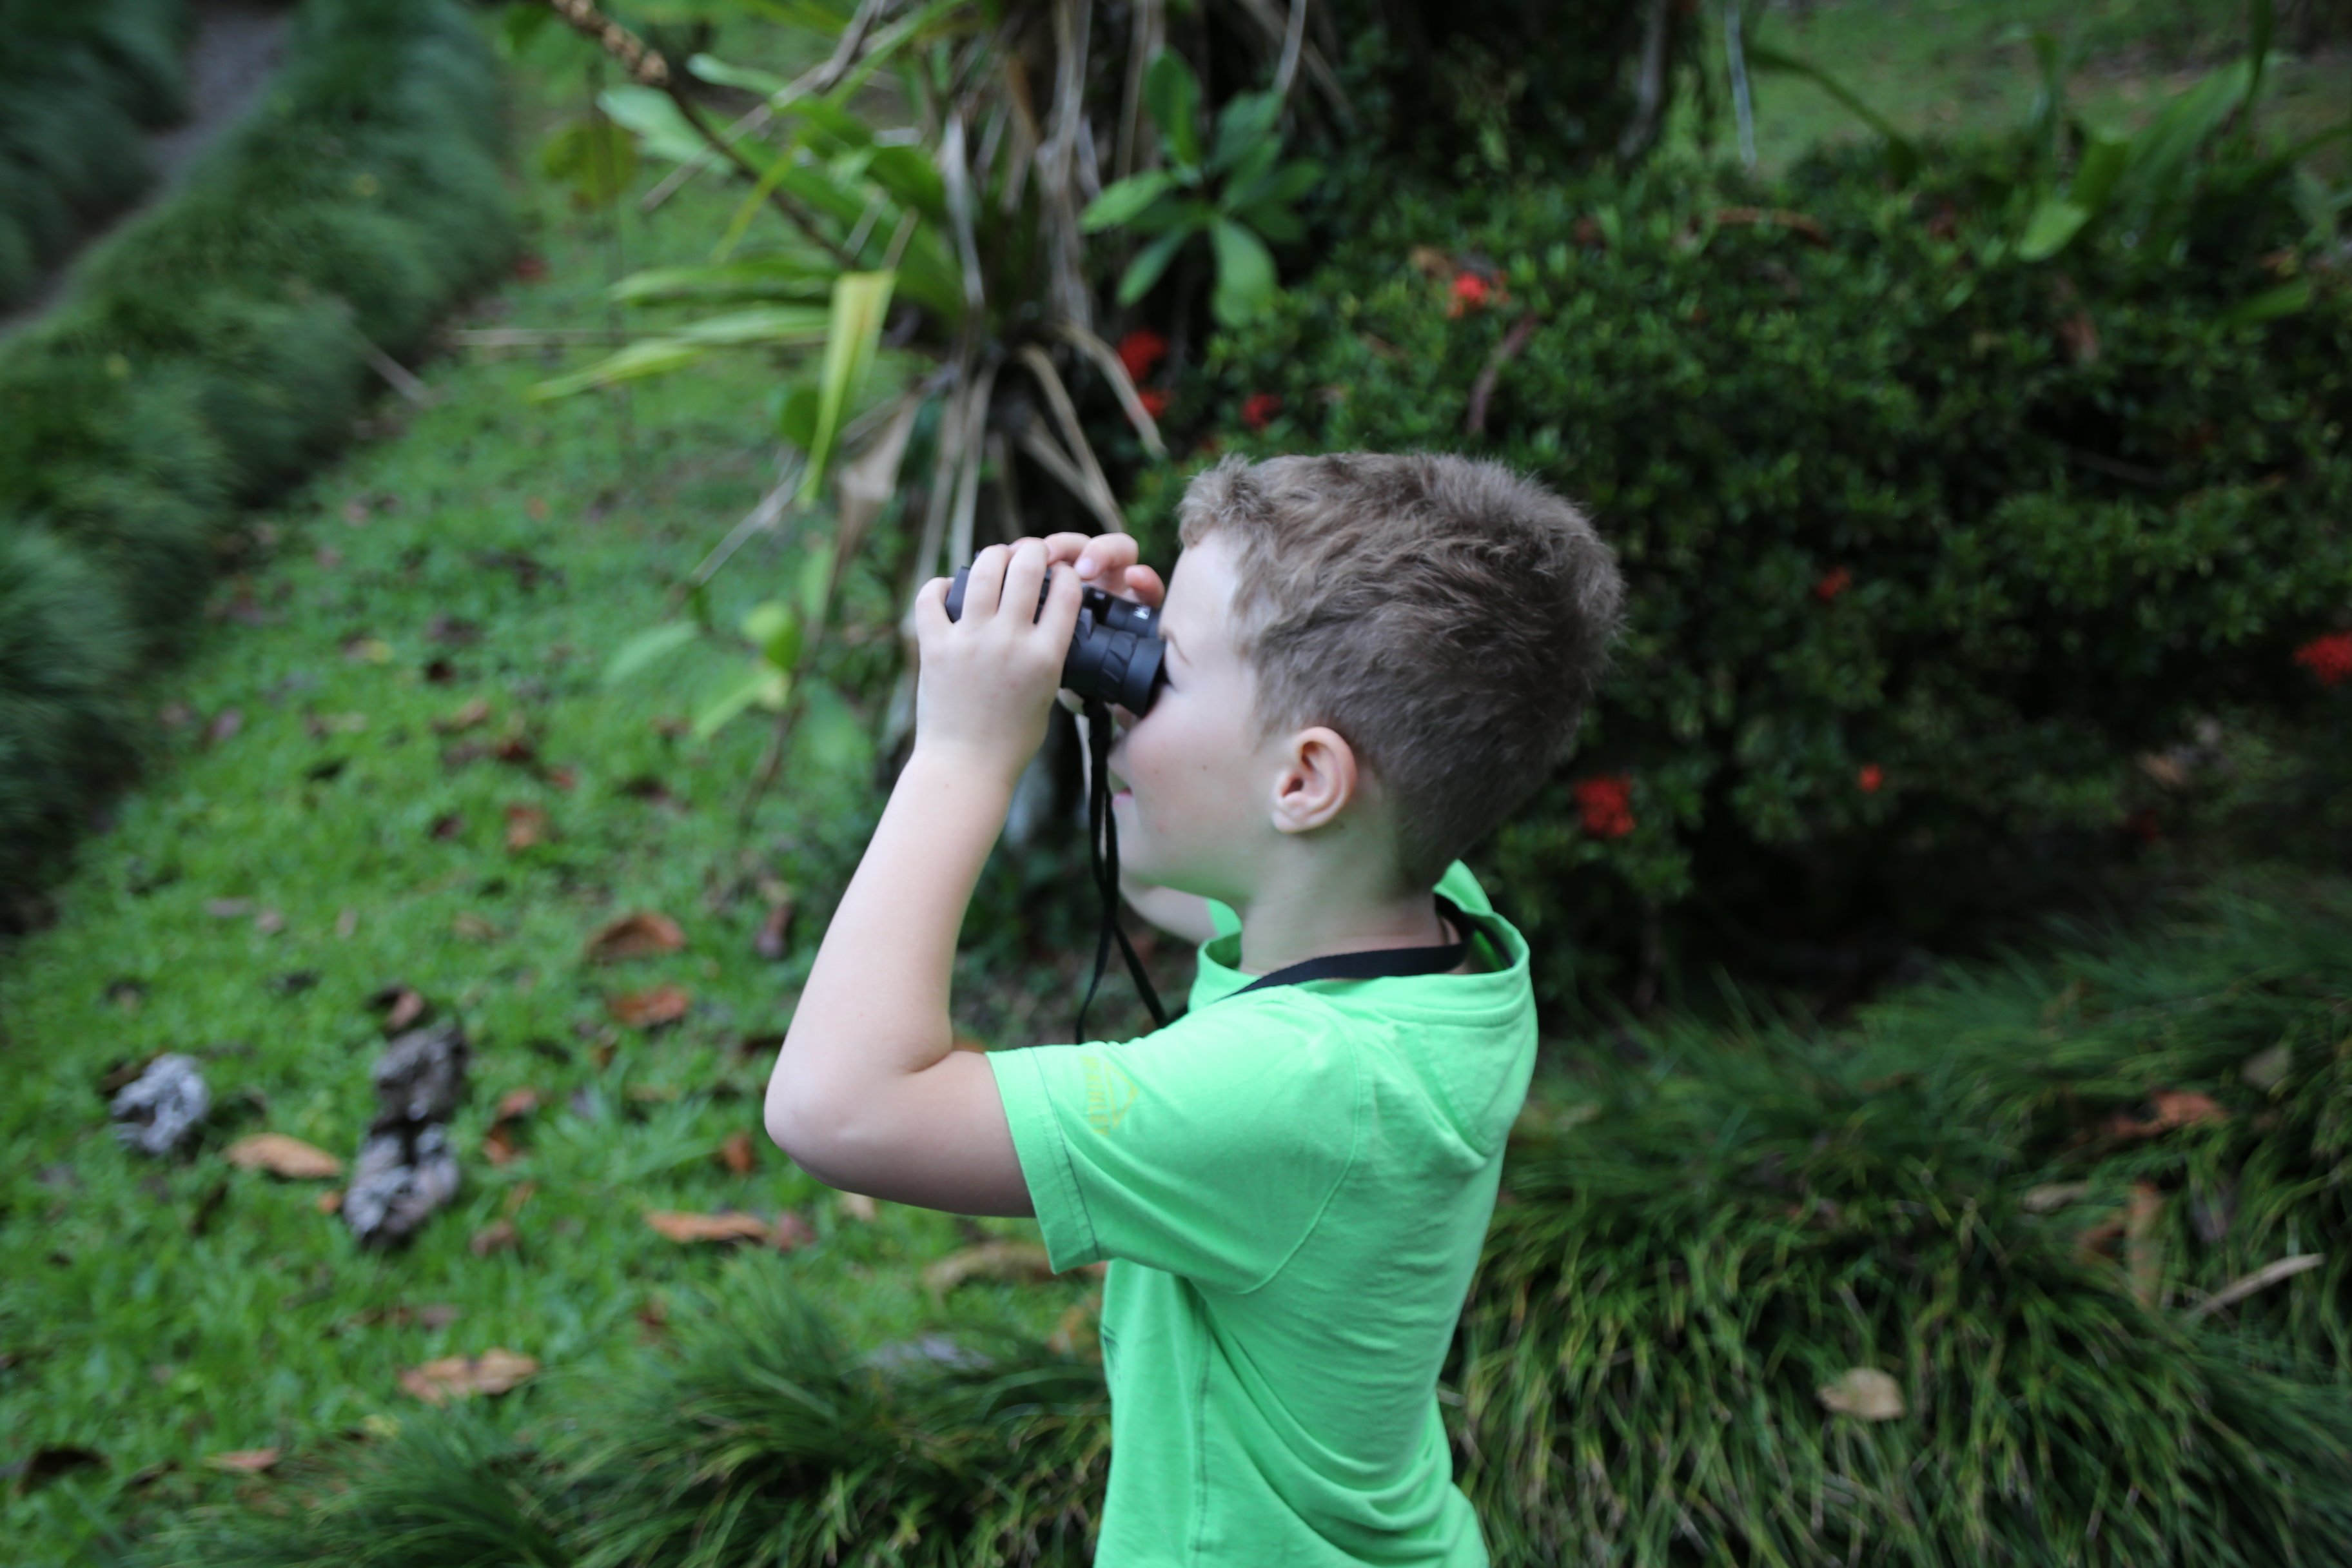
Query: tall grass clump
[79, 83]
[219, 347]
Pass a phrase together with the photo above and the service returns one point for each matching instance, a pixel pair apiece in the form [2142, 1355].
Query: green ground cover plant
[78, 85]
[2036, 1263]
[210, 354]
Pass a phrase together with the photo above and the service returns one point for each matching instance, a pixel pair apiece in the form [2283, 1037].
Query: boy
[1372, 658]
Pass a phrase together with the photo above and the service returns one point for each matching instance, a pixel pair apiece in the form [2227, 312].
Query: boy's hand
[986, 677]
[1105, 561]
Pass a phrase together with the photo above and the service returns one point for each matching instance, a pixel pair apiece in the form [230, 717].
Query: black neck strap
[1378, 964]
[1102, 851]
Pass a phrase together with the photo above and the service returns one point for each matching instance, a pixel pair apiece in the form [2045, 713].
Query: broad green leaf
[1120, 203]
[775, 631]
[719, 73]
[1149, 263]
[1902, 153]
[815, 579]
[1280, 188]
[1277, 225]
[2054, 222]
[763, 685]
[1246, 127]
[807, 276]
[595, 158]
[912, 180]
[649, 112]
[653, 356]
[787, 324]
[2269, 305]
[1174, 95]
[1245, 280]
[2105, 159]
[861, 300]
[2160, 152]
[645, 647]
[830, 734]
[2259, 24]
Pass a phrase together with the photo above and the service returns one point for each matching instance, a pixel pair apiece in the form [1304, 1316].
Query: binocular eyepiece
[1115, 654]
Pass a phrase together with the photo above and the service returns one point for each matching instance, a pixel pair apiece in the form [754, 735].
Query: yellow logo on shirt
[1108, 1094]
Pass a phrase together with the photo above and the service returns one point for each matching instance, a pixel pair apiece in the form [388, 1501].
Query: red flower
[1604, 801]
[1261, 407]
[1154, 400]
[1139, 350]
[1470, 292]
[1835, 582]
[1870, 778]
[2328, 658]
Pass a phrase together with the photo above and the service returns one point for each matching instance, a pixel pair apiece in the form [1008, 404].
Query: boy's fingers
[1024, 574]
[1104, 555]
[985, 587]
[1144, 586]
[931, 605]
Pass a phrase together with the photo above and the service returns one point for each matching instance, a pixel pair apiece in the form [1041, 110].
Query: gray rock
[403, 1173]
[421, 1074]
[163, 1107]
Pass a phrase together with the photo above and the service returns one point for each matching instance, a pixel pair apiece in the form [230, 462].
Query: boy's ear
[1317, 781]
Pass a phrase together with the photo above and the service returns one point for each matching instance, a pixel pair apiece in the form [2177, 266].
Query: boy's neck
[1296, 920]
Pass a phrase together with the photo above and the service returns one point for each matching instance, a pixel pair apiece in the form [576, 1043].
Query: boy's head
[1389, 651]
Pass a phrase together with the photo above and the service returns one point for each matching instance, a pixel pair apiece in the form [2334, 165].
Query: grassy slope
[128, 1335]
[1958, 66]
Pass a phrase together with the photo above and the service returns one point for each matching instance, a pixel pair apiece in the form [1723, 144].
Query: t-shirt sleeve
[1208, 1149]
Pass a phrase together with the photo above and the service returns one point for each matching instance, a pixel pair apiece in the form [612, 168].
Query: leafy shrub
[218, 347]
[66, 650]
[1923, 542]
[77, 84]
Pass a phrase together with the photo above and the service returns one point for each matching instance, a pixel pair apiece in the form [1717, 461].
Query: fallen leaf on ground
[638, 935]
[282, 1156]
[465, 718]
[770, 943]
[498, 1145]
[650, 1009]
[519, 1196]
[791, 1232]
[473, 927]
[330, 1201]
[856, 1206]
[2054, 1195]
[495, 1237]
[1008, 1261]
[2143, 1247]
[1863, 1393]
[493, 1371]
[2186, 1108]
[403, 1006]
[526, 825]
[250, 1461]
[738, 1154]
[682, 1226]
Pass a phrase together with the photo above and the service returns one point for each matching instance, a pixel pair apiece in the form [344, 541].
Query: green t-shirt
[1294, 1188]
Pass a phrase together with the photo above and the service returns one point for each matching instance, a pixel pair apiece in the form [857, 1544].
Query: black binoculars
[1116, 652]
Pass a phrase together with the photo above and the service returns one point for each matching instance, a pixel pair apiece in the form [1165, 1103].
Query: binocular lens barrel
[1115, 654]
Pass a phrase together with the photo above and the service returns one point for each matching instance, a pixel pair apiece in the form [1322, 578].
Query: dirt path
[234, 54]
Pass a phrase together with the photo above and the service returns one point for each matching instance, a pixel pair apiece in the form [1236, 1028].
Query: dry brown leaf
[249, 1461]
[2054, 1195]
[791, 1232]
[495, 1237]
[330, 1201]
[681, 1227]
[2185, 1108]
[856, 1206]
[651, 1009]
[526, 825]
[770, 944]
[493, 1371]
[473, 927]
[738, 1154]
[499, 1145]
[639, 935]
[1863, 1393]
[473, 713]
[516, 1103]
[283, 1156]
[519, 1196]
[407, 1006]
[1005, 1259]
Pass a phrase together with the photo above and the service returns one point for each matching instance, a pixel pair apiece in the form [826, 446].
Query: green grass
[127, 1332]
[1956, 67]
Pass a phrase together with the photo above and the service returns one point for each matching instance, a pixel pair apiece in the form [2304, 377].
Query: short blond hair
[1448, 617]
